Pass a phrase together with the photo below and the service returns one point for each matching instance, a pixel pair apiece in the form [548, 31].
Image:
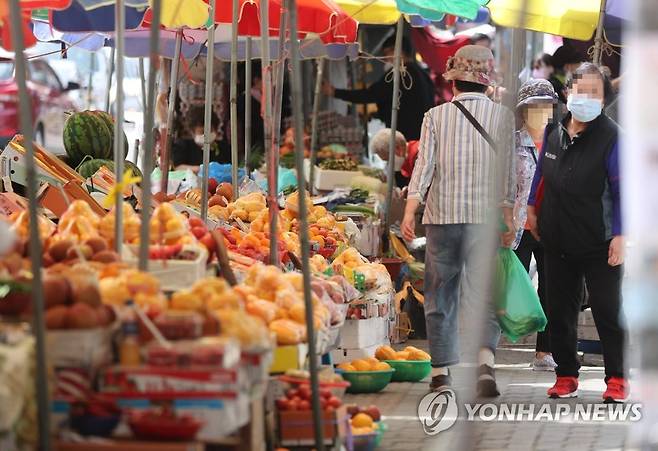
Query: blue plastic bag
[221, 172]
[517, 304]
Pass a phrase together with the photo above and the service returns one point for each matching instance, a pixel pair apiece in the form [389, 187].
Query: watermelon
[86, 134]
[109, 121]
[89, 168]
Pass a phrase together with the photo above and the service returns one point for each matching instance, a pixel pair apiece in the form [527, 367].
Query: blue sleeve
[612, 166]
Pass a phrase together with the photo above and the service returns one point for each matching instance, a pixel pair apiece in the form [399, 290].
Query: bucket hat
[473, 63]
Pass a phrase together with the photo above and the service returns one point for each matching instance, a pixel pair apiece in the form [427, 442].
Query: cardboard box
[163, 381]
[296, 428]
[88, 348]
[363, 333]
[288, 358]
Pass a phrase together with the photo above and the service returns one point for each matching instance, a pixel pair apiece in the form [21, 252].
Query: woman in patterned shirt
[535, 108]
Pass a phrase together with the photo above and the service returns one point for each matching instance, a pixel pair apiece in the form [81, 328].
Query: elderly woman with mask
[535, 110]
[380, 145]
[579, 225]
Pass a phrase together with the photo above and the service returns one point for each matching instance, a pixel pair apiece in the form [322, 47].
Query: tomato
[323, 404]
[304, 405]
[293, 404]
[196, 222]
[283, 404]
[291, 393]
[208, 241]
[325, 393]
[334, 402]
[199, 232]
[305, 392]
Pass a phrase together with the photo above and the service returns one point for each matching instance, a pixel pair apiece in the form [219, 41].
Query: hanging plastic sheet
[76, 19]
[566, 18]
[436, 9]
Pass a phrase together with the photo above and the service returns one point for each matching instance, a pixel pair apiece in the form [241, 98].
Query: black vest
[575, 218]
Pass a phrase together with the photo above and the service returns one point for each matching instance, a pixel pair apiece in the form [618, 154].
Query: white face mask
[198, 139]
[541, 73]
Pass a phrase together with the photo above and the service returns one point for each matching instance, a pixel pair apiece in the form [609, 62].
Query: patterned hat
[473, 63]
[536, 91]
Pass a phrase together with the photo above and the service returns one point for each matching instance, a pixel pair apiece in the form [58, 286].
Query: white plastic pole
[38, 326]
[149, 144]
[234, 97]
[120, 26]
[303, 219]
[108, 86]
[207, 122]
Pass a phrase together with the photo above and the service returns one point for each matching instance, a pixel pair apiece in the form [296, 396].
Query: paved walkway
[518, 384]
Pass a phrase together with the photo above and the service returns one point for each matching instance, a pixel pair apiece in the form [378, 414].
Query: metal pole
[247, 105]
[598, 40]
[280, 78]
[110, 71]
[268, 145]
[120, 25]
[234, 98]
[314, 122]
[173, 91]
[149, 144]
[303, 218]
[207, 122]
[390, 179]
[41, 380]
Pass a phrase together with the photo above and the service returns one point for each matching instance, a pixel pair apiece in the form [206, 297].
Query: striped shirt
[456, 166]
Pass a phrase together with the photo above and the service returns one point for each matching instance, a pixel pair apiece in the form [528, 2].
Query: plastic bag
[221, 172]
[517, 304]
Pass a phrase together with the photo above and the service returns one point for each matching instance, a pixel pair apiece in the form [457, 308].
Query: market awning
[436, 9]
[567, 18]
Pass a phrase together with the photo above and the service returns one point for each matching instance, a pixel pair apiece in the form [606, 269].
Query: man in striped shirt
[465, 173]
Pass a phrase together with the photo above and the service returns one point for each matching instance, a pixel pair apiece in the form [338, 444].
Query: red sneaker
[565, 387]
[617, 391]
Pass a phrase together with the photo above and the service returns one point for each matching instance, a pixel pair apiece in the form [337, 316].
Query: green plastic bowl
[410, 370]
[367, 381]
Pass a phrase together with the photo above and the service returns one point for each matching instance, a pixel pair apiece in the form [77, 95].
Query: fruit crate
[173, 275]
[296, 427]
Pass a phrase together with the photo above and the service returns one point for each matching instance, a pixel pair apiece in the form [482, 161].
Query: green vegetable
[355, 209]
[340, 164]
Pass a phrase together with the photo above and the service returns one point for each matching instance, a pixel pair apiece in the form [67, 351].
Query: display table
[128, 445]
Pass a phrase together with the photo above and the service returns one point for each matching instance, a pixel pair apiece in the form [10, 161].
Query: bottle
[129, 349]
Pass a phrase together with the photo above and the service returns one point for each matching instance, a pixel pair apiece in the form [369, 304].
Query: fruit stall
[203, 315]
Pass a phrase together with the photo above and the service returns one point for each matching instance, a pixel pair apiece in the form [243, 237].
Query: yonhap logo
[438, 411]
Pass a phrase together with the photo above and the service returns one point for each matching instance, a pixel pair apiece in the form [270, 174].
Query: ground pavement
[518, 384]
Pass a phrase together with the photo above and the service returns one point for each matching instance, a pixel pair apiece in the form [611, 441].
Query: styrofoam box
[341, 355]
[327, 180]
[362, 333]
[85, 348]
[173, 274]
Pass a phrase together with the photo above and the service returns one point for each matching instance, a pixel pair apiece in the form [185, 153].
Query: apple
[199, 232]
[352, 409]
[373, 412]
[196, 222]
[226, 190]
[212, 185]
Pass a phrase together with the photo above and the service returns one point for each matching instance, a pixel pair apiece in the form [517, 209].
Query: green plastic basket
[367, 381]
[410, 370]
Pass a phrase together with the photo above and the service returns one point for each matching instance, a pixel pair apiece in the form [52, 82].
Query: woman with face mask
[535, 110]
[379, 145]
[580, 227]
[187, 152]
